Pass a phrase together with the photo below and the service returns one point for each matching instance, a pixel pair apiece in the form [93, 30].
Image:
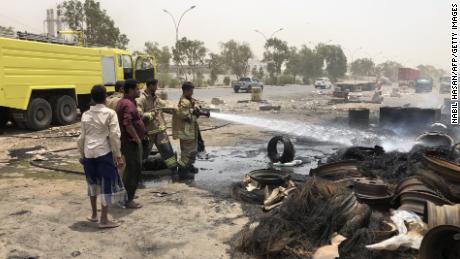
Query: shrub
[286, 79]
[227, 80]
[164, 79]
[271, 80]
[174, 83]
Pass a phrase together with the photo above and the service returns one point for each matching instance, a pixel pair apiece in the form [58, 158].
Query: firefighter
[186, 129]
[149, 106]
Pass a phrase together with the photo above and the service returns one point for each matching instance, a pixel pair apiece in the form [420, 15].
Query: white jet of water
[343, 135]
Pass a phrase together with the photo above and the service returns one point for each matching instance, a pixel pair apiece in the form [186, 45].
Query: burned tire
[268, 177]
[64, 110]
[39, 114]
[362, 153]
[239, 192]
[288, 152]
[441, 242]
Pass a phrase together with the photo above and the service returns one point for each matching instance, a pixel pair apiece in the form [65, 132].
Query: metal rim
[441, 242]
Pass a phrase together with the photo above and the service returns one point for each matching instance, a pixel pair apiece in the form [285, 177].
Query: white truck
[246, 84]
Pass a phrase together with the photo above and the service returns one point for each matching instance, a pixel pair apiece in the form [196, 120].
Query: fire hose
[55, 168]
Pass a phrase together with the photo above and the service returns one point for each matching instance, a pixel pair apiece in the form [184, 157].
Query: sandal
[133, 205]
[109, 224]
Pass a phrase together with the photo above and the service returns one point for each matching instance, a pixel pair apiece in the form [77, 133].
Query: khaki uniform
[112, 100]
[185, 128]
[155, 125]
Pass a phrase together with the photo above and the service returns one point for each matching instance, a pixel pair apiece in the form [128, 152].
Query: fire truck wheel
[64, 110]
[39, 114]
[4, 117]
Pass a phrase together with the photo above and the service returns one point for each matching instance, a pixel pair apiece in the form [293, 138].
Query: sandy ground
[47, 219]
[42, 213]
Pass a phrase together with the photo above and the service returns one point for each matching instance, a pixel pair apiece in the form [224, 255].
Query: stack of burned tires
[267, 177]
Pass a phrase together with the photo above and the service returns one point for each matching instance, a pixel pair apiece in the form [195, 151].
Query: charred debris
[362, 202]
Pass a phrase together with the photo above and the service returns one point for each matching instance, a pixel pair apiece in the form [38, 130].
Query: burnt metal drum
[441, 242]
[447, 169]
[337, 170]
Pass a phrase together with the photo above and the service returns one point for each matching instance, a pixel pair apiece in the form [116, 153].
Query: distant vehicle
[408, 76]
[356, 86]
[424, 85]
[385, 80]
[246, 84]
[323, 83]
[444, 85]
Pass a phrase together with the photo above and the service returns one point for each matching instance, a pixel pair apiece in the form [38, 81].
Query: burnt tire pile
[353, 195]
[262, 177]
[271, 178]
[239, 192]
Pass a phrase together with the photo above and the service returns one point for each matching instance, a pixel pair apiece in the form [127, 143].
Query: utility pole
[176, 28]
[177, 24]
[271, 35]
[261, 33]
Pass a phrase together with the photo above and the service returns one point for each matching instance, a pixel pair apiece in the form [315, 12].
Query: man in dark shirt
[132, 132]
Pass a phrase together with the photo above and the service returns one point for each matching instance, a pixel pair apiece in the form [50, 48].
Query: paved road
[424, 100]
[270, 92]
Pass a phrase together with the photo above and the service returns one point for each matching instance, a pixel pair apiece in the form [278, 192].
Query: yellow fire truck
[43, 82]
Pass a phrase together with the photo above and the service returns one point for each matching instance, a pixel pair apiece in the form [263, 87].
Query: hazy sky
[411, 31]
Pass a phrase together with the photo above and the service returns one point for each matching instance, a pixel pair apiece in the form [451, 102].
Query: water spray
[343, 135]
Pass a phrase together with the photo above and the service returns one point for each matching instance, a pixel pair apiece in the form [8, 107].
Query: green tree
[236, 57]
[388, 69]
[98, 28]
[189, 52]
[227, 80]
[254, 71]
[137, 53]
[293, 62]
[276, 52]
[271, 79]
[162, 55]
[429, 71]
[258, 73]
[362, 67]
[261, 73]
[6, 30]
[216, 67]
[304, 62]
[334, 58]
[310, 64]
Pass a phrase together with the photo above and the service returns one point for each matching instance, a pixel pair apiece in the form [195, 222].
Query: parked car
[323, 83]
[246, 84]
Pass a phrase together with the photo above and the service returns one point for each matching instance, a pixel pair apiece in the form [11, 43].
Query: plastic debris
[411, 229]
